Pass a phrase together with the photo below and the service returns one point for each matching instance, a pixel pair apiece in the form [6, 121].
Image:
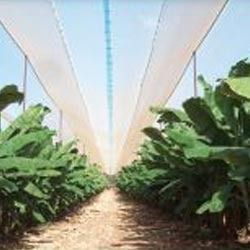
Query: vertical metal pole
[25, 82]
[0, 121]
[60, 126]
[195, 74]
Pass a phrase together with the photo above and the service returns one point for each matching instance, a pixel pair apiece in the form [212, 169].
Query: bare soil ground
[111, 221]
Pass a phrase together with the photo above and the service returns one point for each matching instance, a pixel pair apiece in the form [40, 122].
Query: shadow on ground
[149, 228]
[113, 221]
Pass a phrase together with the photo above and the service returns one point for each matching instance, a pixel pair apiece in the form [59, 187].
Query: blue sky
[227, 43]
[133, 26]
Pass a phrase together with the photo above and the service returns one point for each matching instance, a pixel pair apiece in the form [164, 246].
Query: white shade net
[182, 27]
[34, 27]
[7, 117]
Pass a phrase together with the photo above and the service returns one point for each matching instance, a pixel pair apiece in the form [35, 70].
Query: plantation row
[39, 179]
[196, 161]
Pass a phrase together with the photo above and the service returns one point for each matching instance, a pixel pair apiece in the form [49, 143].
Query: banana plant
[203, 151]
[40, 180]
[8, 95]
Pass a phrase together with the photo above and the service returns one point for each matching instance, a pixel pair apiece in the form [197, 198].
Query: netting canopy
[182, 27]
[108, 120]
[35, 28]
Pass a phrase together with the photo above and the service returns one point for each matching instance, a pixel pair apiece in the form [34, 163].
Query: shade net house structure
[106, 116]
[131, 103]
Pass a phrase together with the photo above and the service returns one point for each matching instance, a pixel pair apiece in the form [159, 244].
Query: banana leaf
[16, 143]
[8, 95]
[35, 191]
[7, 185]
[218, 201]
[205, 122]
[31, 119]
[240, 87]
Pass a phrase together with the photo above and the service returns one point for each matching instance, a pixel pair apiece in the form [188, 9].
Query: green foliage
[8, 95]
[40, 180]
[240, 86]
[197, 165]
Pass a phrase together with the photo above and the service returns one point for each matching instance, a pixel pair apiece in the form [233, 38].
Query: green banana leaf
[35, 191]
[238, 156]
[205, 122]
[7, 185]
[240, 87]
[240, 69]
[154, 134]
[27, 165]
[218, 201]
[8, 95]
[16, 143]
[38, 217]
[31, 119]
[189, 141]
[167, 115]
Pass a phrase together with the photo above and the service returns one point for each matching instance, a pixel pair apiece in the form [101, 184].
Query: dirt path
[111, 221]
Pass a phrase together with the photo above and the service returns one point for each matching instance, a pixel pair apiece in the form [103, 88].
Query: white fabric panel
[67, 134]
[34, 27]
[7, 117]
[183, 25]
[133, 28]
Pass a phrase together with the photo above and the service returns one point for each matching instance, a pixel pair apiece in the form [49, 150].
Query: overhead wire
[109, 75]
[196, 49]
[60, 28]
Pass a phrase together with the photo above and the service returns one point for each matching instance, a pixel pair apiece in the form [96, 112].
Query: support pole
[195, 74]
[0, 121]
[60, 126]
[25, 82]
[83, 149]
